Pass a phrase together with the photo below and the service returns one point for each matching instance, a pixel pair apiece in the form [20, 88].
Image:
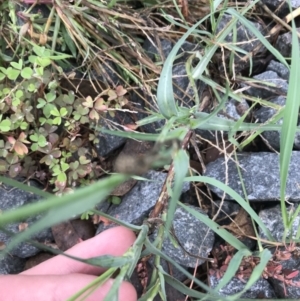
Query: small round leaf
[27, 73]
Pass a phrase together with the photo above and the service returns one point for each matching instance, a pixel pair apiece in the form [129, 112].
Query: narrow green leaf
[165, 94]
[153, 117]
[289, 125]
[92, 286]
[178, 133]
[227, 236]
[24, 187]
[258, 34]
[204, 121]
[105, 261]
[211, 49]
[114, 289]
[117, 221]
[162, 291]
[181, 165]
[236, 197]
[68, 40]
[179, 286]
[65, 206]
[232, 268]
[265, 256]
[155, 251]
[151, 292]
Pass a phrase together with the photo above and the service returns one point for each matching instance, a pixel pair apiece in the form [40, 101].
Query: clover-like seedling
[19, 145]
[29, 166]
[81, 114]
[38, 141]
[53, 154]
[86, 215]
[4, 147]
[59, 114]
[79, 169]
[96, 106]
[59, 171]
[4, 125]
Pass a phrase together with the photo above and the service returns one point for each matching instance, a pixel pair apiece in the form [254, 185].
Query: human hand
[60, 277]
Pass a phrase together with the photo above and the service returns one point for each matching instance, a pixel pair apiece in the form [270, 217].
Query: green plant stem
[160, 237]
[91, 287]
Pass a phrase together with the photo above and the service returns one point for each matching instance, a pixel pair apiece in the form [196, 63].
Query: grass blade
[260, 36]
[210, 50]
[265, 256]
[232, 268]
[236, 197]
[165, 95]
[174, 134]
[156, 251]
[289, 124]
[60, 208]
[231, 239]
[32, 189]
[181, 165]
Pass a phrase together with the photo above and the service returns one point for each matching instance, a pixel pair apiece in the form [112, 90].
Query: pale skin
[60, 277]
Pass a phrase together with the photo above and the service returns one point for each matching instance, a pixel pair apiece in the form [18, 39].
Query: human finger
[57, 287]
[115, 241]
